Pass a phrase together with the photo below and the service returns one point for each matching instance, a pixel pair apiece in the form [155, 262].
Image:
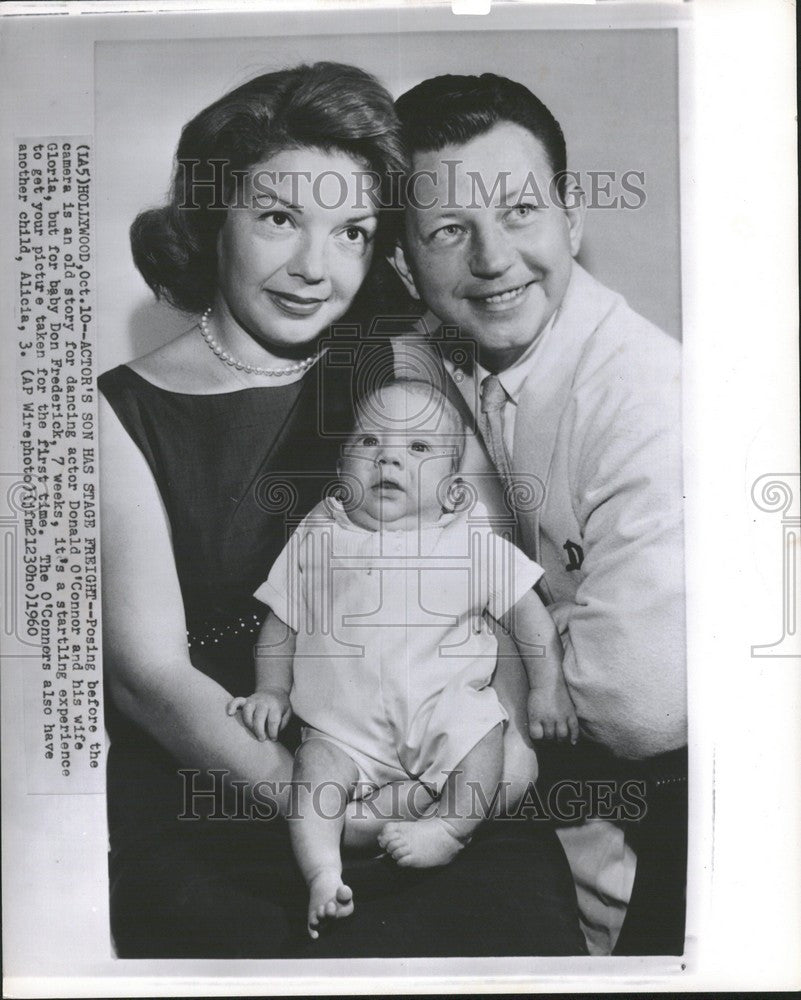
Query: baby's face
[399, 460]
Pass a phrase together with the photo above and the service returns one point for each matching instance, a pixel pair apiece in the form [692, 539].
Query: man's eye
[446, 234]
[419, 446]
[278, 219]
[523, 211]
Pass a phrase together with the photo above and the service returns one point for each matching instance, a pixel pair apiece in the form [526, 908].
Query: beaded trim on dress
[212, 635]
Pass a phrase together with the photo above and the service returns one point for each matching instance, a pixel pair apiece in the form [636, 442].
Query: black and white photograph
[358, 515]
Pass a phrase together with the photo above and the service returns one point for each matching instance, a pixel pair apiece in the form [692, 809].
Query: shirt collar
[514, 377]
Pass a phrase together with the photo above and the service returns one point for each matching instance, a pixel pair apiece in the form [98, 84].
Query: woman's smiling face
[296, 247]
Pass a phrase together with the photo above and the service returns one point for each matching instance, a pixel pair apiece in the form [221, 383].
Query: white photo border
[738, 260]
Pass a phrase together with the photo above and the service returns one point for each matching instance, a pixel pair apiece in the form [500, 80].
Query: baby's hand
[551, 713]
[265, 713]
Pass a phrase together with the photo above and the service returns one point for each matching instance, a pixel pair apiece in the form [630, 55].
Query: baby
[381, 639]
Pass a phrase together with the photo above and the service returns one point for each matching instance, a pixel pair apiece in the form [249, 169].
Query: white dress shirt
[512, 379]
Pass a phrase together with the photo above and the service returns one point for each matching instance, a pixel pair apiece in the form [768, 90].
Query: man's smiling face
[497, 267]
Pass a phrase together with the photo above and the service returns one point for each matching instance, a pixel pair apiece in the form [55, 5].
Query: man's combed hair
[327, 106]
[452, 110]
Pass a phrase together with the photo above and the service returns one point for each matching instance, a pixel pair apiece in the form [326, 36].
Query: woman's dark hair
[326, 106]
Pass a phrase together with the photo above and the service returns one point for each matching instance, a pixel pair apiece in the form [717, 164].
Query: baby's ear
[461, 495]
[449, 493]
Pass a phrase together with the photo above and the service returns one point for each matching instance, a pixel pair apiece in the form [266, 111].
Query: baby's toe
[344, 894]
[388, 830]
[573, 726]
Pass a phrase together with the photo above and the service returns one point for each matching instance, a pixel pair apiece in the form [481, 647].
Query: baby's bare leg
[322, 780]
[365, 819]
[465, 802]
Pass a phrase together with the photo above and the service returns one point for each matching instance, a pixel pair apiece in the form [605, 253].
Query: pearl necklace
[241, 366]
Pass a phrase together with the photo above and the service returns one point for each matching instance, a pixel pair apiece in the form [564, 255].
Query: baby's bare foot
[329, 899]
[422, 843]
[551, 713]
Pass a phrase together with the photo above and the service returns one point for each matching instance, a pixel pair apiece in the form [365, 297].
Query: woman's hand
[265, 713]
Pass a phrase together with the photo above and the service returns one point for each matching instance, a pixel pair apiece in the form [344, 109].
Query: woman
[214, 446]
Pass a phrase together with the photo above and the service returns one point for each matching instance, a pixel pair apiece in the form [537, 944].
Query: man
[570, 389]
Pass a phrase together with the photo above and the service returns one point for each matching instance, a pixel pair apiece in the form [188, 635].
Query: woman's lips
[295, 305]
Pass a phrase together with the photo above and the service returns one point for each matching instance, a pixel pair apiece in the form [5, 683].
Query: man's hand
[265, 713]
[551, 713]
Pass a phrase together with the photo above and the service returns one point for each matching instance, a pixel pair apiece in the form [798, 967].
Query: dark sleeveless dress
[236, 472]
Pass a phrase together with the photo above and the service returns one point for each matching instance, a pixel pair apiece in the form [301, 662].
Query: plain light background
[615, 93]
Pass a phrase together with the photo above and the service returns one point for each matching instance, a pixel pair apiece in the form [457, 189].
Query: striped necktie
[493, 400]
